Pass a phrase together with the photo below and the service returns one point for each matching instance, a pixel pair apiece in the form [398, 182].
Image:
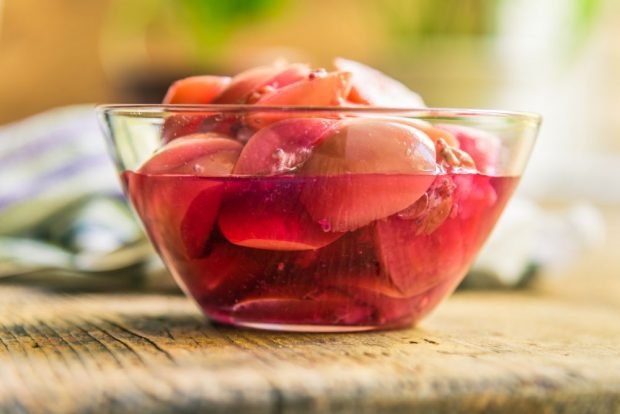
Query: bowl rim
[145, 109]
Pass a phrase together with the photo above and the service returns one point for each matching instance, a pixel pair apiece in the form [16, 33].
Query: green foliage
[416, 20]
[430, 18]
[210, 22]
[586, 11]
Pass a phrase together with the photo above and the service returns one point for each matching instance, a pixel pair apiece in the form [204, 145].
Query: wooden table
[552, 349]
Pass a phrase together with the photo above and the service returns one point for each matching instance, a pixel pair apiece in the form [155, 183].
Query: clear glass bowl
[268, 221]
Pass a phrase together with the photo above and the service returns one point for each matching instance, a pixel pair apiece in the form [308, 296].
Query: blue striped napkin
[60, 197]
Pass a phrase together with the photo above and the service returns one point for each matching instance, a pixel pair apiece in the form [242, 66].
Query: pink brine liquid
[255, 251]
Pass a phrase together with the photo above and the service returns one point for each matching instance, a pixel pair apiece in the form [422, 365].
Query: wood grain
[480, 352]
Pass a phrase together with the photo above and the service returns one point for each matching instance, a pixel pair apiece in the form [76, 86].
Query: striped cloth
[48, 161]
[60, 196]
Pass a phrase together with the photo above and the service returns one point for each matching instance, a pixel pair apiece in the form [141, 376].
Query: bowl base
[308, 328]
[305, 328]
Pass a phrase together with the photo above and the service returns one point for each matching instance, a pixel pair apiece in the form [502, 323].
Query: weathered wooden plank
[500, 352]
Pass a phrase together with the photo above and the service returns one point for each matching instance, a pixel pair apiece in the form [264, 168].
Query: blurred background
[560, 58]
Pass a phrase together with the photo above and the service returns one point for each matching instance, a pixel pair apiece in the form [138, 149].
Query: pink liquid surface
[387, 273]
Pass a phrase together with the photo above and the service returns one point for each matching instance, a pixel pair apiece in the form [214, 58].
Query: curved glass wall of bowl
[134, 132]
[317, 218]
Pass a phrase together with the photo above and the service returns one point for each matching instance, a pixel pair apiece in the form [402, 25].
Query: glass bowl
[317, 218]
